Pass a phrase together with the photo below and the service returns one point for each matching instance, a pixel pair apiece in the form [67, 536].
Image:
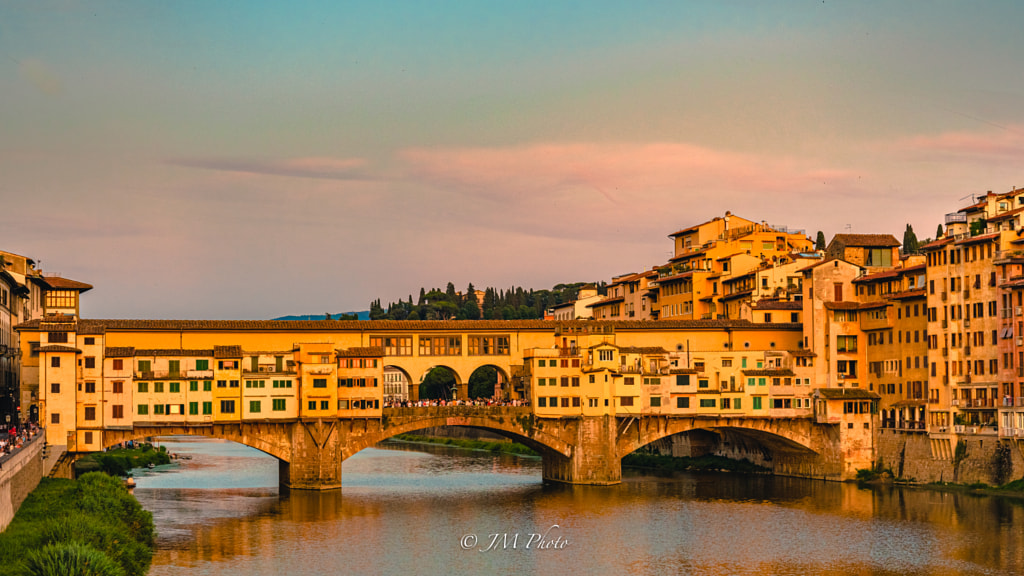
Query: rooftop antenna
[849, 228]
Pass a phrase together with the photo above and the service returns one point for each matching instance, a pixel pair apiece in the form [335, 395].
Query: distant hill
[363, 315]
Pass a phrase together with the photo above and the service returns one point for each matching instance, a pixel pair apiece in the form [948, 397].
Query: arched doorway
[440, 383]
[488, 382]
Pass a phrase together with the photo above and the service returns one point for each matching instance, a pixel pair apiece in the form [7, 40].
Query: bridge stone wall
[19, 474]
[577, 449]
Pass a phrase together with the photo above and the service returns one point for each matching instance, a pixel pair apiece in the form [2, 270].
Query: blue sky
[249, 160]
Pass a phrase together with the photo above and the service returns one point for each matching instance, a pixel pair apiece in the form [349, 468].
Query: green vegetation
[119, 462]
[910, 243]
[702, 463]
[515, 303]
[89, 526]
[503, 447]
[874, 474]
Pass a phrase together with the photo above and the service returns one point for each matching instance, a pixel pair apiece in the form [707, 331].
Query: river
[424, 509]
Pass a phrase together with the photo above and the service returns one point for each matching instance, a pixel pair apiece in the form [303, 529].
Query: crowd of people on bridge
[15, 437]
[476, 402]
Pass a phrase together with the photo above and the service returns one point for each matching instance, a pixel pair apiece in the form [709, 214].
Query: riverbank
[70, 526]
[119, 462]
[484, 445]
[687, 464]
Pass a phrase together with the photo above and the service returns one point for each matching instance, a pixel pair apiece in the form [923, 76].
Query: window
[542, 402]
[158, 409]
[144, 366]
[117, 411]
[254, 406]
[202, 364]
[626, 401]
[193, 386]
[57, 338]
[207, 385]
[312, 404]
[757, 402]
[55, 362]
[193, 408]
[90, 361]
[90, 412]
[55, 418]
[227, 406]
[682, 402]
[393, 345]
[707, 403]
[279, 404]
[655, 401]
[90, 387]
[324, 405]
[175, 387]
[142, 409]
[207, 408]
[319, 382]
[143, 387]
[682, 379]
[158, 387]
[118, 364]
[489, 345]
[604, 355]
[846, 343]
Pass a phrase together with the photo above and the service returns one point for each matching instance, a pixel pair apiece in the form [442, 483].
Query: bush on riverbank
[78, 527]
[503, 447]
[683, 463]
[119, 462]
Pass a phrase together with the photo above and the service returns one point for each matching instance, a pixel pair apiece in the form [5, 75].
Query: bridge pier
[594, 459]
[316, 457]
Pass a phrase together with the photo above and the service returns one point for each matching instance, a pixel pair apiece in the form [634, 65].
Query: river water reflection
[420, 509]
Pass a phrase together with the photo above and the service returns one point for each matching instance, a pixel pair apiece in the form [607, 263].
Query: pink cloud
[309, 167]
[991, 145]
[613, 169]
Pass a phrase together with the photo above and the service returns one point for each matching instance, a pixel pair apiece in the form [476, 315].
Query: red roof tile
[867, 240]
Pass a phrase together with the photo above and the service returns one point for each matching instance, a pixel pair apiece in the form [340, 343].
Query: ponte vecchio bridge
[309, 393]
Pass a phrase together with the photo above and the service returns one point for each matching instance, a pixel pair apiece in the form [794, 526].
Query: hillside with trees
[514, 303]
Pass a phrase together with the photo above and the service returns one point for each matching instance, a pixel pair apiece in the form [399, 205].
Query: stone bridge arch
[794, 446]
[515, 423]
[269, 438]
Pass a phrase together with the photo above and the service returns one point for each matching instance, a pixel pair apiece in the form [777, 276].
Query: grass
[119, 462]
[500, 447]
[87, 526]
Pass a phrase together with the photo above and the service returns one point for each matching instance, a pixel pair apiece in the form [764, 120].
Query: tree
[482, 382]
[819, 244]
[437, 384]
[470, 309]
[450, 293]
[938, 232]
[910, 244]
[376, 312]
[445, 309]
[423, 294]
[327, 316]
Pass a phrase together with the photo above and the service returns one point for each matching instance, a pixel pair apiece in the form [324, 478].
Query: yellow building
[715, 264]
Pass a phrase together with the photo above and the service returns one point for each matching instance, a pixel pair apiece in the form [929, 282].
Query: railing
[320, 371]
[956, 218]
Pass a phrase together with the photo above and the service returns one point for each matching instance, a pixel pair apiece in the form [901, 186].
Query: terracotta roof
[846, 394]
[611, 300]
[385, 326]
[176, 352]
[643, 350]
[683, 371]
[935, 243]
[679, 276]
[1006, 215]
[735, 295]
[119, 352]
[58, 283]
[56, 348]
[778, 305]
[803, 353]
[842, 305]
[876, 276]
[227, 351]
[973, 207]
[908, 403]
[92, 329]
[873, 305]
[979, 238]
[768, 372]
[867, 240]
[908, 294]
[360, 352]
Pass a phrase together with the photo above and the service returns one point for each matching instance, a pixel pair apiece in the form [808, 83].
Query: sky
[248, 160]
